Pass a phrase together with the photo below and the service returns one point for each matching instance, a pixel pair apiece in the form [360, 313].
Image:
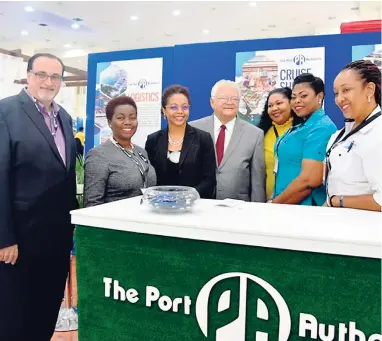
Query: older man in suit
[239, 146]
[38, 189]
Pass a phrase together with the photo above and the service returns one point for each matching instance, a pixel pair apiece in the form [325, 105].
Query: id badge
[276, 168]
[325, 171]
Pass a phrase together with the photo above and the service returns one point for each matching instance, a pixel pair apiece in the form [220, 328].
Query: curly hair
[370, 73]
[265, 120]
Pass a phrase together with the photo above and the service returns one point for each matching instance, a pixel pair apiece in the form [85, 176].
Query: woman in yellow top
[275, 121]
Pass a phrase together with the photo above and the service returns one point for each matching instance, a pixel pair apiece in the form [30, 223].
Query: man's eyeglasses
[43, 76]
[176, 108]
[226, 99]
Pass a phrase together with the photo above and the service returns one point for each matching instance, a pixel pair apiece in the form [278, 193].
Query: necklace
[175, 143]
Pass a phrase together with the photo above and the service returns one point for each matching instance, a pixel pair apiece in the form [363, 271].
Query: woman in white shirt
[354, 158]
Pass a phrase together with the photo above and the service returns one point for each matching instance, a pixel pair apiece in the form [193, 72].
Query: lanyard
[52, 119]
[351, 133]
[52, 116]
[284, 136]
[142, 169]
[327, 165]
[276, 133]
[278, 141]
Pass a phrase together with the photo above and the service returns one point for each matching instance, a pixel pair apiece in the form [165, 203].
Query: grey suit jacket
[110, 175]
[241, 174]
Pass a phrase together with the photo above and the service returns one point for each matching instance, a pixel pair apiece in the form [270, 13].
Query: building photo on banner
[141, 79]
[372, 53]
[259, 72]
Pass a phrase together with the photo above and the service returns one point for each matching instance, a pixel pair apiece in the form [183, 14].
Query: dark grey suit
[37, 193]
[111, 175]
[241, 174]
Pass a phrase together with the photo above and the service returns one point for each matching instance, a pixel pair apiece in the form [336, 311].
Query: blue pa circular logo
[299, 59]
[143, 83]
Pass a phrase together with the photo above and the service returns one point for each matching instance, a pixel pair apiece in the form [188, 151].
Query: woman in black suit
[182, 155]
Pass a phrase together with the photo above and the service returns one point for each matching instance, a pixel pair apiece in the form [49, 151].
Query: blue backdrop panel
[167, 79]
[200, 66]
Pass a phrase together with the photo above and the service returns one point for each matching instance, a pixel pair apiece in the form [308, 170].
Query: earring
[319, 102]
[368, 99]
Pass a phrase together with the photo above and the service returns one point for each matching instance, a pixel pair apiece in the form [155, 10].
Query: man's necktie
[220, 144]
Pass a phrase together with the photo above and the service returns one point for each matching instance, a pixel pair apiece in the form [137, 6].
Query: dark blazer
[37, 189]
[197, 164]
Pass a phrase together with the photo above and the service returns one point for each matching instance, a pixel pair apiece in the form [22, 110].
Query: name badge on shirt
[276, 168]
[325, 171]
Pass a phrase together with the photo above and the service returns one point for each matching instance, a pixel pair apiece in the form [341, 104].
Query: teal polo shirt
[307, 140]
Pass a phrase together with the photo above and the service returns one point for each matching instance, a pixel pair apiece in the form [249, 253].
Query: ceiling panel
[107, 26]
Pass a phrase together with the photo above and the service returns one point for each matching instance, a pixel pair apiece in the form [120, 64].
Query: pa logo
[143, 83]
[299, 59]
[232, 306]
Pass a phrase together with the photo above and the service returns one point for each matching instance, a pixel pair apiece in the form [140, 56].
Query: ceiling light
[28, 9]
[176, 13]
[206, 31]
[76, 53]
[24, 33]
[134, 17]
[252, 4]
[75, 26]
[67, 46]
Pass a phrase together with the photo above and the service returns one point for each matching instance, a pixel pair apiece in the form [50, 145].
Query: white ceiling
[107, 25]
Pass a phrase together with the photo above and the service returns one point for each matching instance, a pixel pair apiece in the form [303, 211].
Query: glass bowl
[170, 199]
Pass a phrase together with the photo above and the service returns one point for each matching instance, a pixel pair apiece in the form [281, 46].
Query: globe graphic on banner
[113, 81]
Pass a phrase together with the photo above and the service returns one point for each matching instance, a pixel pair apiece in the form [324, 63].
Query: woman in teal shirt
[301, 151]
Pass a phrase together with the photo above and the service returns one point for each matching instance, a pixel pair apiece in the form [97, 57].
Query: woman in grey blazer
[117, 169]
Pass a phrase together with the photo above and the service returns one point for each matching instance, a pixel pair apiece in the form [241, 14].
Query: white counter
[290, 227]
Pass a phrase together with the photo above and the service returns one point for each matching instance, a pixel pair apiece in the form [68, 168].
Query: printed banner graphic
[368, 52]
[259, 72]
[140, 79]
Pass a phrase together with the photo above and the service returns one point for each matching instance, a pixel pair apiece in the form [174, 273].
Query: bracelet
[342, 201]
[330, 201]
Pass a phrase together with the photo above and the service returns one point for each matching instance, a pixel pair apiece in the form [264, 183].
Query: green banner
[138, 287]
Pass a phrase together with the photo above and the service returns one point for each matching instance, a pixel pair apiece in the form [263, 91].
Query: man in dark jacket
[37, 192]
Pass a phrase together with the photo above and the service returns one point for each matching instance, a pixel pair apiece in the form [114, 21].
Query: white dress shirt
[228, 131]
[358, 170]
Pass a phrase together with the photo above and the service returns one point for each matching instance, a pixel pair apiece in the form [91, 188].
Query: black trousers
[31, 293]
